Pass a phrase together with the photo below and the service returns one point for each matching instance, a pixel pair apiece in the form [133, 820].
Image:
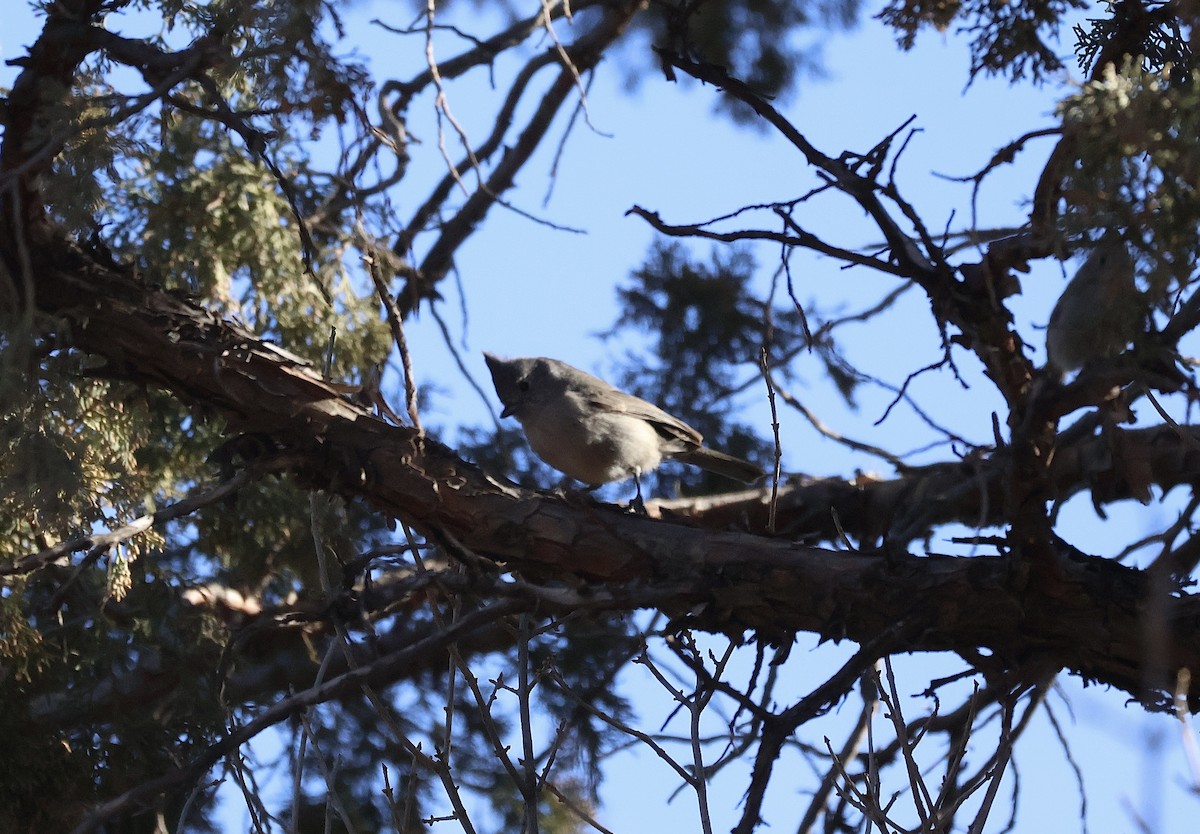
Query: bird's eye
[523, 385]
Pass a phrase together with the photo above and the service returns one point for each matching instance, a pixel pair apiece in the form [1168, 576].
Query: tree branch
[382, 669]
[1076, 612]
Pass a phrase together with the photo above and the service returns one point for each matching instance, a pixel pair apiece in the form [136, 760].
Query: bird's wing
[618, 402]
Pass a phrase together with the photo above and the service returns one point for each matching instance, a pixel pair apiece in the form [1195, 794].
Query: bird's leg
[638, 505]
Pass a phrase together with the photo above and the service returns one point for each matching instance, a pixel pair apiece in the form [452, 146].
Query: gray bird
[595, 433]
[1098, 313]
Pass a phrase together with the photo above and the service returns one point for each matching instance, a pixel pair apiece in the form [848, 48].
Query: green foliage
[81, 453]
[182, 196]
[81, 115]
[75, 447]
[19, 641]
[1008, 39]
[1138, 166]
[262, 539]
[71, 729]
[1160, 45]
[38, 764]
[216, 221]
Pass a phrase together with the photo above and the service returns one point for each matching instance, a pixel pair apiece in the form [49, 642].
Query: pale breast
[598, 449]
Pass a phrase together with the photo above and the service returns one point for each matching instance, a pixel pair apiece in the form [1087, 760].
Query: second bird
[595, 433]
[1099, 312]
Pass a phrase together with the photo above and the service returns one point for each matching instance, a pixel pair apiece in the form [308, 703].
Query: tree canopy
[231, 518]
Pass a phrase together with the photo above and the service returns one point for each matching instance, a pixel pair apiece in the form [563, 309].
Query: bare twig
[778, 729]
[922, 801]
[1187, 731]
[644, 738]
[799, 238]
[584, 54]
[383, 669]
[818, 424]
[100, 542]
[442, 105]
[530, 784]
[396, 323]
[1061, 735]
[849, 750]
[775, 468]
[1002, 757]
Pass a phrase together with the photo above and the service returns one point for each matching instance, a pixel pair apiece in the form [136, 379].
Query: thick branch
[969, 492]
[1078, 612]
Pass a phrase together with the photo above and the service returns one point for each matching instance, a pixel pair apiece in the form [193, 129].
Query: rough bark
[1080, 613]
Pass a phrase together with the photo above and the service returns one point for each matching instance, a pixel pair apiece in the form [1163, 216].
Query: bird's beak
[507, 412]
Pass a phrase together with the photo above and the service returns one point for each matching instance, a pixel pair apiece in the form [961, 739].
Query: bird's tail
[721, 463]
